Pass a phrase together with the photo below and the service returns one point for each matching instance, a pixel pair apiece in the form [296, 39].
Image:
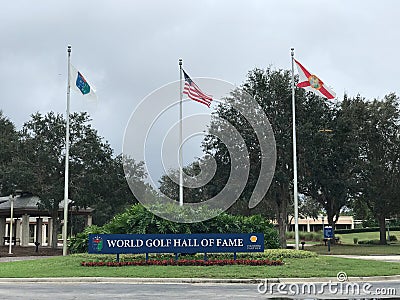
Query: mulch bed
[29, 251]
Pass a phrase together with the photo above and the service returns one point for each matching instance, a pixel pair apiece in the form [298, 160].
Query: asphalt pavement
[388, 287]
[103, 289]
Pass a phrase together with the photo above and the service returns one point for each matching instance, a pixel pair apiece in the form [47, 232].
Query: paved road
[88, 291]
[169, 291]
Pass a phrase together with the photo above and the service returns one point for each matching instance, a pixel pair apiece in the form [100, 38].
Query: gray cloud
[129, 48]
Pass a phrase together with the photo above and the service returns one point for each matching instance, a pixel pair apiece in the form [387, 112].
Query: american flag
[194, 92]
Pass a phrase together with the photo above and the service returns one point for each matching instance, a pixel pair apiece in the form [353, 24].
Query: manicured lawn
[343, 249]
[348, 238]
[306, 267]
[363, 236]
[347, 246]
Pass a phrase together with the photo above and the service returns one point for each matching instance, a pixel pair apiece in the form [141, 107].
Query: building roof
[3, 199]
[29, 205]
[343, 220]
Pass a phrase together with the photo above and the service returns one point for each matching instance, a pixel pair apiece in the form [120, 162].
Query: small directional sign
[328, 232]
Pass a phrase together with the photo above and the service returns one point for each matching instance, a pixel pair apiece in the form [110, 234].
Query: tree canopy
[348, 155]
[96, 178]
[347, 151]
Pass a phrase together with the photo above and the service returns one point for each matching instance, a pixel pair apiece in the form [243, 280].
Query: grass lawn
[348, 238]
[322, 266]
[362, 236]
[343, 249]
[347, 246]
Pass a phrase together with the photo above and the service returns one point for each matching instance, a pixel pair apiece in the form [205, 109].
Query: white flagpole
[296, 205]
[66, 176]
[180, 136]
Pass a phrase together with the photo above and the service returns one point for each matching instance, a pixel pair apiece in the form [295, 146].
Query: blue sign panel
[328, 232]
[175, 243]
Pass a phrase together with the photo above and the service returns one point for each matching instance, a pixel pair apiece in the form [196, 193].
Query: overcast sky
[127, 49]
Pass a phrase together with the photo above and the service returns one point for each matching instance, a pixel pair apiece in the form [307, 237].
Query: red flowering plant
[270, 257]
[185, 262]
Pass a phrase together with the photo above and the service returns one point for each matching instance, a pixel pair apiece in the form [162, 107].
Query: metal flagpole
[296, 205]
[66, 176]
[180, 136]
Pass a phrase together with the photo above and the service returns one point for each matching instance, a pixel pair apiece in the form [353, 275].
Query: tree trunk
[382, 230]
[330, 220]
[281, 213]
[282, 230]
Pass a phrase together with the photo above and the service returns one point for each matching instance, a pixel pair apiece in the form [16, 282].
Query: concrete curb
[192, 280]
[134, 280]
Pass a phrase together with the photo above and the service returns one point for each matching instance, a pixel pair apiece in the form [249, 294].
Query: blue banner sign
[328, 232]
[175, 243]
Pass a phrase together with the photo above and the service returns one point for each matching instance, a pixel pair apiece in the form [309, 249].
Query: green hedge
[392, 238]
[369, 242]
[306, 236]
[139, 220]
[358, 230]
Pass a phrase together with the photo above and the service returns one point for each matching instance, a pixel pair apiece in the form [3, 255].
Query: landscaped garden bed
[270, 257]
[185, 262]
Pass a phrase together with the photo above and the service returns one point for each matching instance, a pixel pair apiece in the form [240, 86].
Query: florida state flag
[312, 83]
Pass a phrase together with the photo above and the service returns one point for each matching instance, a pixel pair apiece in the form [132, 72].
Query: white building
[31, 224]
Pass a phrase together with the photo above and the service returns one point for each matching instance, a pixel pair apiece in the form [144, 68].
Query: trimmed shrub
[79, 243]
[369, 242]
[355, 240]
[306, 236]
[281, 254]
[290, 234]
[138, 220]
[392, 238]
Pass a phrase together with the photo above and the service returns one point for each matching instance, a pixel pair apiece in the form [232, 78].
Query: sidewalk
[386, 258]
[18, 258]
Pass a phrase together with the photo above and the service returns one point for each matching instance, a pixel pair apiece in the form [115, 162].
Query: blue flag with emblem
[80, 84]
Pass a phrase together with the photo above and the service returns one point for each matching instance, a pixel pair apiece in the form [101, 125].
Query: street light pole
[11, 197]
